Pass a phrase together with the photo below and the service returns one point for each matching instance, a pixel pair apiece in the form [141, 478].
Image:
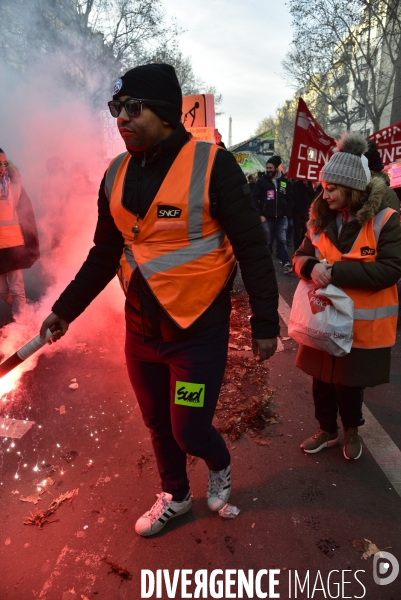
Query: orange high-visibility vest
[10, 228]
[181, 251]
[375, 311]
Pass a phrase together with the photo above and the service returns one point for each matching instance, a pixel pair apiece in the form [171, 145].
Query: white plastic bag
[322, 318]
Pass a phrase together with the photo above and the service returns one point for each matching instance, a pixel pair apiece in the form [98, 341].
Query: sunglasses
[133, 106]
[4, 163]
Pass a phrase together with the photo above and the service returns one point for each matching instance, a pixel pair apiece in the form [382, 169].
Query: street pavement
[299, 514]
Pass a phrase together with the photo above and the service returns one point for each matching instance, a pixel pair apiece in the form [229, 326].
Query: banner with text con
[311, 148]
[388, 142]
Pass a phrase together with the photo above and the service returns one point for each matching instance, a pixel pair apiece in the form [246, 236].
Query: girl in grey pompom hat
[344, 179]
[348, 166]
[353, 242]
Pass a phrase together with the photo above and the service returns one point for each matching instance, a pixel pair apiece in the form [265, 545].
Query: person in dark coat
[303, 195]
[351, 209]
[19, 243]
[376, 169]
[251, 181]
[174, 215]
[392, 198]
[272, 195]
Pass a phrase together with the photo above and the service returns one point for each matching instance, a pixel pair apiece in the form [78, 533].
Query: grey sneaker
[287, 268]
[219, 488]
[164, 509]
[321, 439]
[352, 447]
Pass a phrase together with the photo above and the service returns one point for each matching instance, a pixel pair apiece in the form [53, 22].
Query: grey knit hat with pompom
[348, 166]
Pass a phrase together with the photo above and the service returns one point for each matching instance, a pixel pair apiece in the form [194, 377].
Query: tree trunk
[396, 107]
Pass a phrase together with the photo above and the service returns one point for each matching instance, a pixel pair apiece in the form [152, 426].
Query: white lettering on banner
[389, 155]
[315, 156]
[299, 174]
[388, 143]
[299, 152]
[312, 172]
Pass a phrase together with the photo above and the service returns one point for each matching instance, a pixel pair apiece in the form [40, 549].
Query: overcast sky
[237, 46]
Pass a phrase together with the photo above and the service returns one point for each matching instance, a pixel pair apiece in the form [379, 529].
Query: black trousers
[177, 385]
[330, 398]
[299, 230]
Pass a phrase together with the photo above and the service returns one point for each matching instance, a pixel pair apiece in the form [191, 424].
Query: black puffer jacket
[231, 204]
[273, 203]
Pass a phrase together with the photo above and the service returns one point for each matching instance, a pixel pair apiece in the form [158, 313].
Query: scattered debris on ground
[118, 570]
[229, 511]
[82, 348]
[327, 546]
[245, 402]
[34, 498]
[367, 547]
[142, 460]
[40, 517]
[69, 457]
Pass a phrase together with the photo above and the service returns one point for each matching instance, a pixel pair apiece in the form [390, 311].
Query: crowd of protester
[174, 241]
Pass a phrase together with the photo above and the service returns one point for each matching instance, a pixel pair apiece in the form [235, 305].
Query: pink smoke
[40, 121]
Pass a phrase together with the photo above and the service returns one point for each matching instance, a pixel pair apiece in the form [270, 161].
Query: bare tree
[93, 41]
[264, 125]
[189, 82]
[347, 52]
[284, 130]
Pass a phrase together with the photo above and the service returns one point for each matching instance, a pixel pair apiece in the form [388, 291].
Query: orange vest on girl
[181, 251]
[375, 311]
[10, 228]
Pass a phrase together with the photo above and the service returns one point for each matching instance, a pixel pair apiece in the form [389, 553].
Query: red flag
[311, 148]
[388, 142]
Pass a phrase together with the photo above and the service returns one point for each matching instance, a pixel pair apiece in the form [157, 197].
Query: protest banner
[198, 116]
[388, 142]
[311, 148]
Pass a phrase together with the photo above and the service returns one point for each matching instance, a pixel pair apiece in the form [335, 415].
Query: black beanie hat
[153, 82]
[274, 160]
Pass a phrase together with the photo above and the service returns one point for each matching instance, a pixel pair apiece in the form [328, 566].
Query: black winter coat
[231, 204]
[303, 196]
[273, 203]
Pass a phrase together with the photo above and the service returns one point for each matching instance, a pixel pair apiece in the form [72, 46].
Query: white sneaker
[164, 509]
[287, 268]
[219, 488]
